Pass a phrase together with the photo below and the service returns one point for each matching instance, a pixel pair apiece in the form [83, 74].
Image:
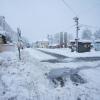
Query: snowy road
[65, 59]
[58, 56]
[77, 67]
[27, 79]
[65, 71]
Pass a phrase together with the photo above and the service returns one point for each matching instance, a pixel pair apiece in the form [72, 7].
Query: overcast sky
[37, 18]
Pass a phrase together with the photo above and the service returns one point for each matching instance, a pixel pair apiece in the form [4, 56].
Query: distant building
[50, 40]
[34, 45]
[65, 39]
[6, 36]
[4, 26]
[42, 44]
[56, 39]
[61, 40]
[3, 39]
[2, 36]
[2, 22]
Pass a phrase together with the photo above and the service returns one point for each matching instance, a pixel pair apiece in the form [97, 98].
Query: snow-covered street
[32, 78]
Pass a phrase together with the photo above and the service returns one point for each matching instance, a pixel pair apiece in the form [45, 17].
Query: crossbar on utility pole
[77, 31]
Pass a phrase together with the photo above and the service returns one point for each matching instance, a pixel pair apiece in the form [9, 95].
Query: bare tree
[97, 34]
[87, 34]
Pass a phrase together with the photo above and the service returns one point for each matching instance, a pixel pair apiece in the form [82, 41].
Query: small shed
[83, 46]
[97, 45]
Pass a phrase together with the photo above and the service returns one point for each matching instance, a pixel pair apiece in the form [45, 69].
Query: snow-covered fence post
[19, 42]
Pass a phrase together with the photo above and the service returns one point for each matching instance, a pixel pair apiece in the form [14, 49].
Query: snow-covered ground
[26, 79]
[67, 52]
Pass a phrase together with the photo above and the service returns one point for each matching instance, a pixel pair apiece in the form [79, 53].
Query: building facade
[59, 40]
[42, 44]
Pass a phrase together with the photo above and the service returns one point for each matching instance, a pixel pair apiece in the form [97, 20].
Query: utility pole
[19, 42]
[77, 32]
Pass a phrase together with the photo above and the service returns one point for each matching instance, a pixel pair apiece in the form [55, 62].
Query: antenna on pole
[77, 32]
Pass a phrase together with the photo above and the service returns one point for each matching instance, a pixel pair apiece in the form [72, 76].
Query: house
[97, 45]
[11, 35]
[42, 44]
[83, 46]
[2, 38]
[7, 36]
[4, 45]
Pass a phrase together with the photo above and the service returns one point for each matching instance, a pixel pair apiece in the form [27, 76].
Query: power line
[69, 7]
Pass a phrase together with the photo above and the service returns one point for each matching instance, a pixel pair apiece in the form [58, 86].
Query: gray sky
[37, 18]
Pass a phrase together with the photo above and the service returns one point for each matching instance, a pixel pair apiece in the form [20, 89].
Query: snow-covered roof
[42, 40]
[54, 44]
[84, 41]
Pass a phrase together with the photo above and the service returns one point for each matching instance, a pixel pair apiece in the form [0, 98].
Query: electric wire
[69, 7]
